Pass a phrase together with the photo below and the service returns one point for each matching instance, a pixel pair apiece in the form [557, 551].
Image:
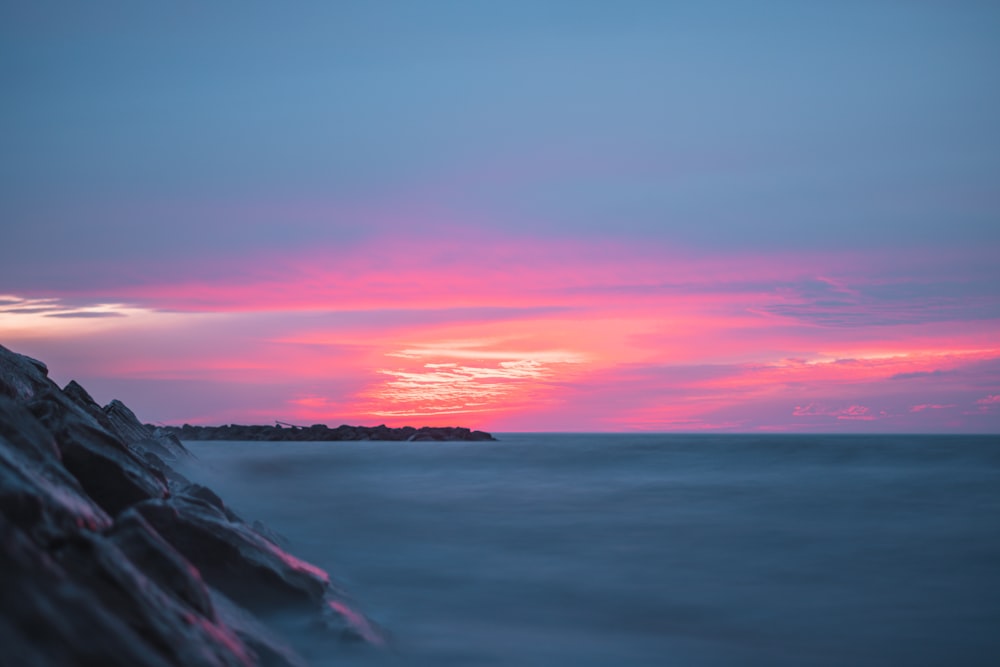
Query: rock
[153, 555]
[48, 619]
[37, 494]
[21, 376]
[125, 424]
[109, 556]
[117, 418]
[171, 443]
[199, 493]
[110, 474]
[82, 398]
[175, 630]
[140, 436]
[322, 432]
[228, 554]
[174, 478]
[25, 433]
[271, 650]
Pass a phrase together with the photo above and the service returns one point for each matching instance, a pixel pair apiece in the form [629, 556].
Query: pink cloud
[850, 412]
[808, 410]
[930, 406]
[511, 333]
[986, 405]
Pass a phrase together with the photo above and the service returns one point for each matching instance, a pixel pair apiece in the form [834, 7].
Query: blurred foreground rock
[109, 556]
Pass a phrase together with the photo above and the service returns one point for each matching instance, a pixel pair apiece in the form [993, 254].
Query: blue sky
[155, 153]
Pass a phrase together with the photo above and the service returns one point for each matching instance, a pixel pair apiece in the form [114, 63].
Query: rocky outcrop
[110, 556]
[321, 432]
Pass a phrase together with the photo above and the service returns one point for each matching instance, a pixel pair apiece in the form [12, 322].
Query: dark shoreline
[321, 433]
[110, 556]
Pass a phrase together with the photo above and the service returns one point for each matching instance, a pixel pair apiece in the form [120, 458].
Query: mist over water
[594, 550]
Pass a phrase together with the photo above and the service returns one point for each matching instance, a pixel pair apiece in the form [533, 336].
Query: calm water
[594, 550]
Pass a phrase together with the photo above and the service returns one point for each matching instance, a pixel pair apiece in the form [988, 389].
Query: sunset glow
[568, 344]
[585, 222]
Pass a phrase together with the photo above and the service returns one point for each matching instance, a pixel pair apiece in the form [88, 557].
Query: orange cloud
[539, 336]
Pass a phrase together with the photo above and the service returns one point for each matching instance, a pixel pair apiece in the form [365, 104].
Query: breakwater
[320, 432]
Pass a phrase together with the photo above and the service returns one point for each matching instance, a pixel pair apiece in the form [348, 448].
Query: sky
[518, 216]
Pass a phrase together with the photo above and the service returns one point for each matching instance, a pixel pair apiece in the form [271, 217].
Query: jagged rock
[228, 554]
[270, 649]
[199, 493]
[161, 562]
[117, 418]
[21, 376]
[110, 474]
[125, 423]
[25, 432]
[48, 619]
[173, 629]
[85, 401]
[36, 493]
[141, 436]
[174, 478]
[171, 444]
[81, 589]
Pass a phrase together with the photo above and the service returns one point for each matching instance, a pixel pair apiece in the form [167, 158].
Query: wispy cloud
[545, 336]
[85, 314]
[849, 412]
[56, 307]
[489, 376]
[918, 375]
[931, 406]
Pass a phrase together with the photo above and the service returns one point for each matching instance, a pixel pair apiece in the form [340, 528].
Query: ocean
[638, 550]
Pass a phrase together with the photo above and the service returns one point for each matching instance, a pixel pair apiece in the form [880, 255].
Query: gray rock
[37, 494]
[142, 437]
[174, 630]
[82, 398]
[80, 588]
[229, 554]
[48, 619]
[125, 424]
[154, 556]
[21, 376]
[271, 650]
[108, 471]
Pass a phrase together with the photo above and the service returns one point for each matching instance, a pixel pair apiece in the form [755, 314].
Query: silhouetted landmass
[320, 432]
[110, 556]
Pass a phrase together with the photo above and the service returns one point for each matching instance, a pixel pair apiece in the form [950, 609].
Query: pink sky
[514, 215]
[509, 333]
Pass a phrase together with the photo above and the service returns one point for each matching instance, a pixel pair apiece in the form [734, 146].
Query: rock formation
[109, 556]
[319, 432]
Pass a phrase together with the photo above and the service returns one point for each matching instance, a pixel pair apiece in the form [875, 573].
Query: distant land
[321, 432]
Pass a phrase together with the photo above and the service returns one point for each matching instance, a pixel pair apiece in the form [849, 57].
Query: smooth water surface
[594, 550]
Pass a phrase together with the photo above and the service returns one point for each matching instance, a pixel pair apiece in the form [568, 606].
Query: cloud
[915, 375]
[489, 377]
[930, 406]
[986, 405]
[532, 336]
[84, 314]
[850, 412]
[864, 302]
[60, 307]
